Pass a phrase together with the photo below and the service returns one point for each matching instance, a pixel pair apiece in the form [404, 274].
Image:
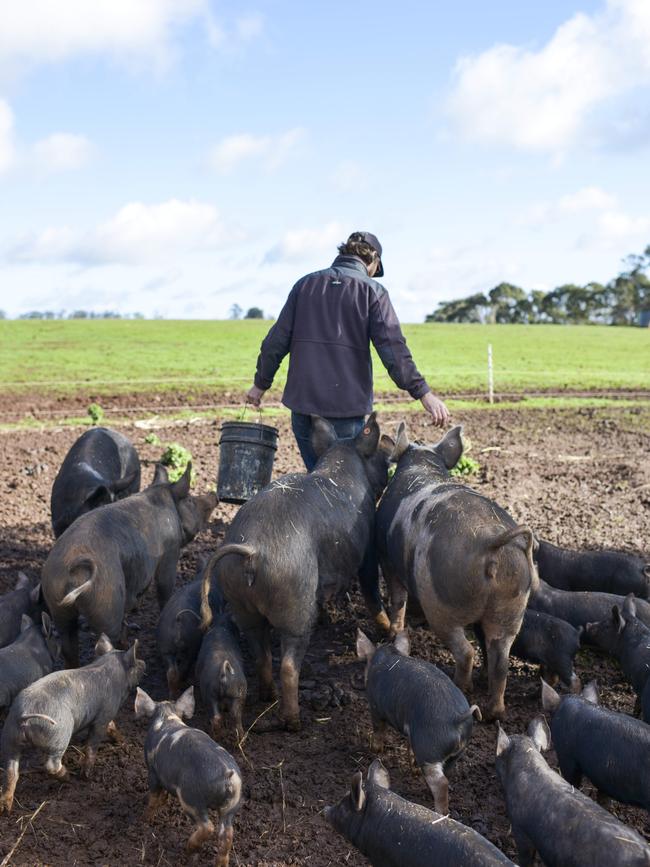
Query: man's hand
[438, 411]
[254, 395]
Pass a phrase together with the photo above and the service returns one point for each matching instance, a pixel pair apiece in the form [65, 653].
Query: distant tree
[504, 300]
[3, 315]
[137, 315]
[254, 313]
[472, 309]
[236, 312]
[78, 314]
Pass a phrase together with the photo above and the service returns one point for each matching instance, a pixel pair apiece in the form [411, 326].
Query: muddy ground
[580, 478]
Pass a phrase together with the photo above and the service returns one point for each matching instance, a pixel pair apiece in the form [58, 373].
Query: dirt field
[580, 478]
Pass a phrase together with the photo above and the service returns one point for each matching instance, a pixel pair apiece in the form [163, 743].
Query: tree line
[622, 301]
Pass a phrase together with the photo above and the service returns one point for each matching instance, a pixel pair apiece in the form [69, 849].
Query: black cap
[373, 242]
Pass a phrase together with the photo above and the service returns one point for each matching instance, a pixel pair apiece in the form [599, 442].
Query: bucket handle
[242, 414]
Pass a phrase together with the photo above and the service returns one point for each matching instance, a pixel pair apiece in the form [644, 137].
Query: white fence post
[490, 375]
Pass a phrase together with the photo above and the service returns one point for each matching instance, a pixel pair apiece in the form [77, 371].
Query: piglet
[628, 639]
[188, 763]
[603, 571]
[551, 643]
[220, 673]
[29, 657]
[393, 832]
[50, 711]
[548, 815]
[23, 599]
[611, 749]
[420, 701]
[179, 632]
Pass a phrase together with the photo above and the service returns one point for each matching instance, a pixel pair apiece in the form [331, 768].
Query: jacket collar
[352, 263]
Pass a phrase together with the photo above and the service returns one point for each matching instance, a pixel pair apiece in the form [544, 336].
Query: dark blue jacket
[327, 324]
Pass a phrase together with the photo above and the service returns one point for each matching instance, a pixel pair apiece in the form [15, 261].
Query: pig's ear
[130, 657]
[402, 442]
[185, 704]
[387, 446]
[365, 647]
[539, 733]
[103, 645]
[35, 595]
[46, 624]
[503, 741]
[160, 475]
[25, 622]
[367, 440]
[144, 704]
[618, 619]
[402, 644]
[378, 775]
[629, 606]
[357, 795]
[101, 496]
[590, 692]
[22, 582]
[550, 698]
[450, 448]
[181, 488]
[323, 435]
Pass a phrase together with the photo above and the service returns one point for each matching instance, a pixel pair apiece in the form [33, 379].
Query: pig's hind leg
[455, 639]
[204, 827]
[293, 649]
[225, 837]
[11, 766]
[259, 641]
[438, 784]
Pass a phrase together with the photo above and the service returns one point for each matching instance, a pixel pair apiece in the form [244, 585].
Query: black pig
[29, 657]
[25, 598]
[304, 536]
[551, 643]
[581, 608]
[393, 832]
[101, 466]
[179, 632]
[628, 639]
[459, 554]
[108, 557]
[220, 673]
[611, 749]
[420, 701]
[189, 764]
[548, 815]
[48, 713]
[603, 571]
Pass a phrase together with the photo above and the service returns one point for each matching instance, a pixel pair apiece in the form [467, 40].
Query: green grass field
[108, 356]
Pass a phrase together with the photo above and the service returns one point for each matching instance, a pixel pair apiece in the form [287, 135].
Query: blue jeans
[346, 429]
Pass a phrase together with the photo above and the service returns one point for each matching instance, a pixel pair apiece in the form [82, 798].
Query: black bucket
[246, 455]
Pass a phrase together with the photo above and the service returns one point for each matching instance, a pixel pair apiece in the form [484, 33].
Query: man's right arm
[274, 347]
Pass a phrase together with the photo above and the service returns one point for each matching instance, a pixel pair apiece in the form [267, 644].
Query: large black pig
[393, 832]
[603, 571]
[109, 556]
[101, 466]
[548, 815]
[459, 554]
[611, 749]
[298, 542]
[25, 598]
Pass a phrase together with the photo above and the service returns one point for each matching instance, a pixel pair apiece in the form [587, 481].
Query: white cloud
[61, 152]
[249, 27]
[300, 245]
[349, 176]
[546, 100]
[270, 150]
[585, 200]
[6, 136]
[137, 233]
[617, 230]
[38, 31]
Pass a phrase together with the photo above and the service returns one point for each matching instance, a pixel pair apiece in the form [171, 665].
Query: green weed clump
[96, 413]
[152, 439]
[176, 458]
[466, 466]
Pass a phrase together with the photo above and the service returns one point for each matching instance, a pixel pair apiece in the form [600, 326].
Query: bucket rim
[257, 425]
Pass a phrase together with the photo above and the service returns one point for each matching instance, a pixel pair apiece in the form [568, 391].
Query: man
[326, 325]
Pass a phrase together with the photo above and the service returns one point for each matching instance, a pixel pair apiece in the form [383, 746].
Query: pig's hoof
[382, 621]
[6, 804]
[493, 714]
[292, 725]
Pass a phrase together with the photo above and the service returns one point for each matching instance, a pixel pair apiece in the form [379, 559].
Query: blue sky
[180, 156]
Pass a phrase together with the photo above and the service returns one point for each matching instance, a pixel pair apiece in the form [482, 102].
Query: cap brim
[380, 270]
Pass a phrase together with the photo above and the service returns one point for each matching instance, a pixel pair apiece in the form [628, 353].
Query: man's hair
[356, 246]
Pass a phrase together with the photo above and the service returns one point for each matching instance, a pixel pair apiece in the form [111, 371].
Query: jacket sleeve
[388, 340]
[276, 344]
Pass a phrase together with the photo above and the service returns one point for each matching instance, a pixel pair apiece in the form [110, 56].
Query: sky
[176, 157]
